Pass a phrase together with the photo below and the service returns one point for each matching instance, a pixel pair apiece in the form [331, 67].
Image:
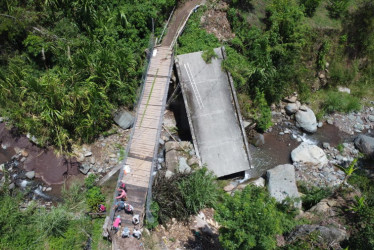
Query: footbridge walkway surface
[137, 167]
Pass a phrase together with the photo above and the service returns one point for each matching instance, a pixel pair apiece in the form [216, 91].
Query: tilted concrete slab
[213, 114]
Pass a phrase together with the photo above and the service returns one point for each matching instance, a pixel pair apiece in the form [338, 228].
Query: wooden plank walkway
[144, 142]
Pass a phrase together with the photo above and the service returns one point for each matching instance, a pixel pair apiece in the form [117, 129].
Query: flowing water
[277, 148]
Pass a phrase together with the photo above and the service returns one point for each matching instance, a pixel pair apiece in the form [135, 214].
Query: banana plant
[348, 171]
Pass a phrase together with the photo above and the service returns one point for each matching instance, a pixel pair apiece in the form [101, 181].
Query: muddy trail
[51, 168]
[179, 17]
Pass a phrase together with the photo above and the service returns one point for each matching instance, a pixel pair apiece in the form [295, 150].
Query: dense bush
[341, 102]
[312, 195]
[183, 194]
[337, 8]
[363, 218]
[94, 197]
[310, 6]
[194, 38]
[74, 64]
[251, 219]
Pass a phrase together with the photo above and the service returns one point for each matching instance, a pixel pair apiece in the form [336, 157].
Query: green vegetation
[310, 6]
[343, 102]
[183, 194]
[337, 8]
[363, 213]
[62, 227]
[208, 55]
[66, 65]
[251, 219]
[312, 195]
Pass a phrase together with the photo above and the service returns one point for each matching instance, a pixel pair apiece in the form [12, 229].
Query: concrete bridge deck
[213, 113]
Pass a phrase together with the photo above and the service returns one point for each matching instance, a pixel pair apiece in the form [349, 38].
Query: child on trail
[116, 224]
[122, 195]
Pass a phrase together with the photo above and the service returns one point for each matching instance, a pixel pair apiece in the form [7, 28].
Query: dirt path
[177, 20]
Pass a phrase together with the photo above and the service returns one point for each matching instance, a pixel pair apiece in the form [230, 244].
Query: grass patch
[341, 102]
[312, 194]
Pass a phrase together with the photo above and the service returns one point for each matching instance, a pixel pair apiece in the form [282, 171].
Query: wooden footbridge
[138, 166]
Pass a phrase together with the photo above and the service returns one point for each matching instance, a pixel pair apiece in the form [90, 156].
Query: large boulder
[365, 144]
[291, 108]
[282, 183]
[124, 119]
[309, 154]
[306, 120]
[330, 236]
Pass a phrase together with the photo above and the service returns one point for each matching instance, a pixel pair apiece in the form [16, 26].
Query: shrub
[312, 194]
[90, 181]
[341, 102]
[52, 223]
[73, 195]
[183, 194]
[94, 197]
[208, 55]
[251, 219]
[198, 190]
[262, 112]
[310, 6]
[337, 8]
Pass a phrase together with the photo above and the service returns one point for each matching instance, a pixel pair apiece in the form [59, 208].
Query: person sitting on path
[116, 224]
[136, 233]
[102, 208]
[125, 232]
[122, 195]
[129, 209]
[122, 185]
[135, 219]
[120, 205]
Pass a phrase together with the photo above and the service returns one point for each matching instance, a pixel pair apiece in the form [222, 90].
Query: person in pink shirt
[122, 195]
[116, 223]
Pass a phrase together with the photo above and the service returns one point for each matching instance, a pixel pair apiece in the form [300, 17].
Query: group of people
[122, 205]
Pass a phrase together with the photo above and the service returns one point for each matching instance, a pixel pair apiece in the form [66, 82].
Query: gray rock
[291, 99]
[124, 119]
[258, 140]
[30, 174]
[329, 235]
[229, 187]
[344, 89]
[306, 120]
[358, 126]
[320, 124]
[183, 166]
[330, 121]
[371, 118]
[88, 154]
[11, 186]
[291, 108]
[168, 174]
[162, 142]
[48, 189]
[246, 124]
[310, 154]
[282, 183]
[193, 161]
[171, 145]
[171, 160]
[365, 144]
[84, 168]
[326, 145]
